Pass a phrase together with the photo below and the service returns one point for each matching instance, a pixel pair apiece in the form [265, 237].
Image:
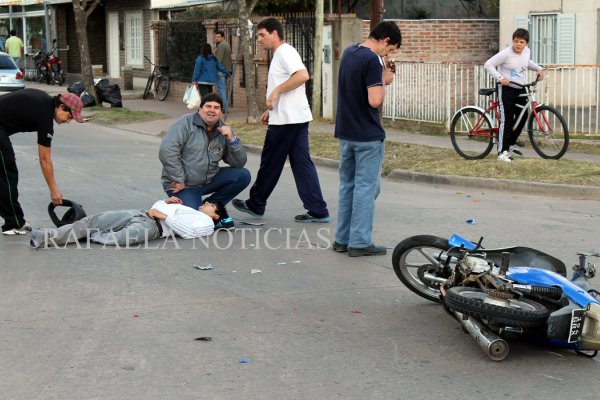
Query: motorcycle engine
[476, 265]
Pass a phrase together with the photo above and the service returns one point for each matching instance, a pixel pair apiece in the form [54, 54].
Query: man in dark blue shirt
[361, 90]
[30, 110]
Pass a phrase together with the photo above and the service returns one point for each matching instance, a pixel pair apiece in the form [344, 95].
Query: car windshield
[7, 63]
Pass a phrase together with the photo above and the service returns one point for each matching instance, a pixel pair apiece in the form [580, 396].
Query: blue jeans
[360, 178]
[222, 89]
[227, 184]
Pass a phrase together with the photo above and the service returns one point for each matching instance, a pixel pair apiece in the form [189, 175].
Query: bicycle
[473, 134]
[161, 80]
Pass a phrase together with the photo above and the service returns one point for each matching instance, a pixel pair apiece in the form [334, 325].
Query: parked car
[11, 77]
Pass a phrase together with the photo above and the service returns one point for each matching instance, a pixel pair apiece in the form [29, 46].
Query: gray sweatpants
[120, 228]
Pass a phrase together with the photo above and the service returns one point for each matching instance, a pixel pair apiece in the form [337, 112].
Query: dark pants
[10, 209]
[228, 183]
[283, 141]
[205, 89]
[509, 112]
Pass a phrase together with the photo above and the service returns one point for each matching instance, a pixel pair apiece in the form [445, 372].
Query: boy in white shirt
[131, 227]
[511, 64]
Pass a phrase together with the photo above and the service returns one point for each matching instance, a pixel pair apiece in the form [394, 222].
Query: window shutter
[565, 42]
[521, 21]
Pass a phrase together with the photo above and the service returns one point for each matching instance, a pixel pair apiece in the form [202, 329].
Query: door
[114, 61]
[327, 73]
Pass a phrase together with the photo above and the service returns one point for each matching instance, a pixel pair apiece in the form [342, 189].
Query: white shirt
[510, 65]
[184, 221]
[292, 106]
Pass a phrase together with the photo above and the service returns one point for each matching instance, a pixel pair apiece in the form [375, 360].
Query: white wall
[586, 22]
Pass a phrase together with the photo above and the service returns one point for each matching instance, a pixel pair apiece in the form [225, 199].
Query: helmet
[74, 213]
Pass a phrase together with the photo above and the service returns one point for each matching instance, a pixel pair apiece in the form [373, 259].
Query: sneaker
[224, 223]
[24, 230]
[516, 149]
[240, 205]
[340, 247]
[371, 250]
[309, 218]
[504, 157]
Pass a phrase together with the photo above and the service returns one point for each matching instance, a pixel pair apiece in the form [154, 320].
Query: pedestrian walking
[223, 55]
[205, 71]
[287, 116]
[361, 90]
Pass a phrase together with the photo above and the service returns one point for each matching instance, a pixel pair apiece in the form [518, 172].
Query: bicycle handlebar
[530, 84]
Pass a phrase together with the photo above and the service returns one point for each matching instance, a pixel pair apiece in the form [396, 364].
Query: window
[134, 41]
[551, 37]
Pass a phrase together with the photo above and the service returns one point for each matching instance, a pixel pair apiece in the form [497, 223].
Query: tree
[82, 9]
[245, 8]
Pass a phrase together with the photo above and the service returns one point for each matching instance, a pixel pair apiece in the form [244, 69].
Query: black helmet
[74, 213]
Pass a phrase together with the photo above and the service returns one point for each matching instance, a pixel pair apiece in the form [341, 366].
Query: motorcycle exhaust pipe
[492, 345]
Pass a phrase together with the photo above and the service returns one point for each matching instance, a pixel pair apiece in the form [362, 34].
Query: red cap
[74, 103]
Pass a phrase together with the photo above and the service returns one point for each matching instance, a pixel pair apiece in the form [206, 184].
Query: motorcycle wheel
[415, 256]
[476, 303]
[61, 79]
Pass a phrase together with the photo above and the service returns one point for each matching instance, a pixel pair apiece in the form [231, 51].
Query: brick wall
[431, 40]
[67, 34]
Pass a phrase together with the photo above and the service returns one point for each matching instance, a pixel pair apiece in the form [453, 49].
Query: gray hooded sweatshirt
[188, 156]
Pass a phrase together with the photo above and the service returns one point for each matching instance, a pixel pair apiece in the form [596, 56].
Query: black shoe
[339, 247]
[371, 250]
[309, 218]
[240, 205]
[224, 223]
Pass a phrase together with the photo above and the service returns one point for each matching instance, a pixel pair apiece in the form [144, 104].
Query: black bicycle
[160, 78]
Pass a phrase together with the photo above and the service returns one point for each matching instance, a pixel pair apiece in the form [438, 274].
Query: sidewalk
[175, 109]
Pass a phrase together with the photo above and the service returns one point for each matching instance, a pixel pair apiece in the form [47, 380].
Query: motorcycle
[49, 66]
[504, 293]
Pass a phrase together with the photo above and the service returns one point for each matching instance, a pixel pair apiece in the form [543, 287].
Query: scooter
[498, 294]
[49, 66]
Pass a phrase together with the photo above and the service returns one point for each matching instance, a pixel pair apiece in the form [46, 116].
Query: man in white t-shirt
[287, 116]
[130, 227]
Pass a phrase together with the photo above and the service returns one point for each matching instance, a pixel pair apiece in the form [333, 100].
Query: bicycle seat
[487, 92]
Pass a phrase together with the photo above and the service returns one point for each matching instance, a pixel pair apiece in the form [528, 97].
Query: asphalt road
[106, 323]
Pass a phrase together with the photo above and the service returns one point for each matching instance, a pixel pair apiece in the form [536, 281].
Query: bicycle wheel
[548, 132]
[471, 133]
[163, 84]
[148, 87]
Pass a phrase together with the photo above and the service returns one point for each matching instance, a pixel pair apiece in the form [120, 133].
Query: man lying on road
[132, 227]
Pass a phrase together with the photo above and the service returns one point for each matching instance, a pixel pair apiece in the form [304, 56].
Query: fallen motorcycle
[503, 293]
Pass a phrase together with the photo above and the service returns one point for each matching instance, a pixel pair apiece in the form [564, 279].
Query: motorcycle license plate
[576, 325]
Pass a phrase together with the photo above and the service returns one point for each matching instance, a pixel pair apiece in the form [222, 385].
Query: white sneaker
[516, 149]
[24, 230]
[504, 157]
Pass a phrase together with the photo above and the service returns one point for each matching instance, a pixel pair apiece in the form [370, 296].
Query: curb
[575, 192]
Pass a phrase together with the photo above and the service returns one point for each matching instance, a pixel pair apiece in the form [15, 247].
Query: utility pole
[318, 60]
[377, 11]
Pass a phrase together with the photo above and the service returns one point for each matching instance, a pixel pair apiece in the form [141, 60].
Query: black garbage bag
[109, 93]
[113, 96]
[76, 88]
[87, 99]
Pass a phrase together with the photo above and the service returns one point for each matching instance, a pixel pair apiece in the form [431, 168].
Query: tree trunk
[81, 17]
[247, 39]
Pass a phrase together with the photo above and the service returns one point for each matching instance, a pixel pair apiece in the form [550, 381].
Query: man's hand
[272, 99]
[541, 75]
[173, 200]
[57, 198]
[155, 214]
[388, 76]
[177, 186]
[504, 82]
[226, 132]
[264, 118]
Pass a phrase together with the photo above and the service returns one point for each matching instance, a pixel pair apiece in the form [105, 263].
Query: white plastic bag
[186, 95]
[193, 99]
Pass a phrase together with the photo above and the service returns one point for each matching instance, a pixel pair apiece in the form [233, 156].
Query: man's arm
[44, 154]
[235, 154]
[296, 80]
[170, 154]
